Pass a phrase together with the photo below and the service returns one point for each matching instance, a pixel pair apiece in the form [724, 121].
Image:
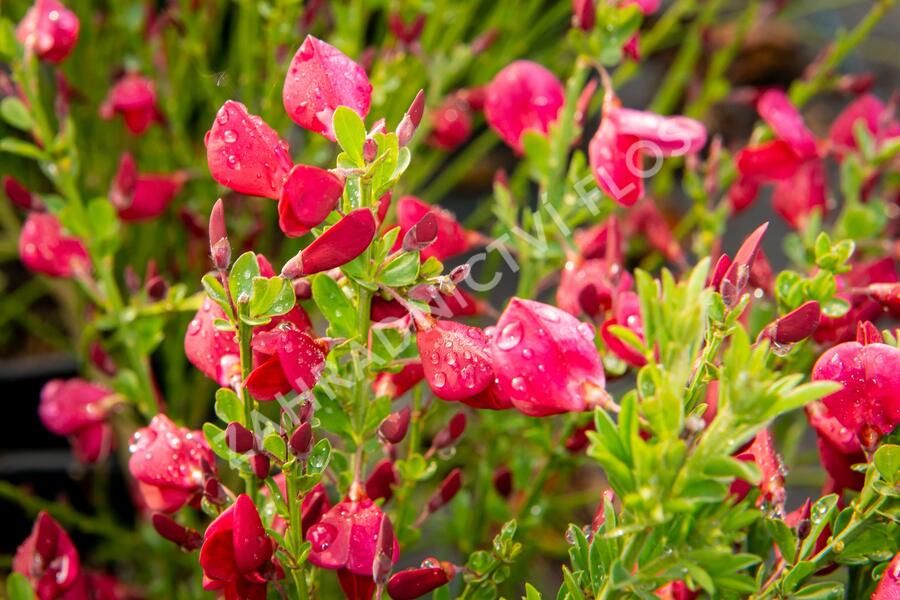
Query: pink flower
[309, 194]
[771, 484]
[48, 559]
[671, 136]
[524, 95]
[168, 463]
[628, 315]
[347, 537]
[868, 109]
[320, 79]
[48, 29]
[44, 248]
[451, 124]
[133, 97]
[452, 238]
[236, 556]
[545, 360]
[142, 196]
[776, 110]
[869, 403]
[455, 358]
[79, 409]
[338, 245]
[617, 163]
[889, 586]
[288, 359]
[245, 154]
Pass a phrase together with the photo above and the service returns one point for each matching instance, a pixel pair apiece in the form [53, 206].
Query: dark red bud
[384, 552]
[460, 273]
[449, 488]
[187, 539]
[220, 248]
[213, 492]
[416, 583]
[422, 234]
[370, 150]
[384, 204]
[302, 289]
[798, 324]
[484, 41]
[239, 439]
[381, 481]
[410, 122]
[449, 434]
[260, 464]
[301, 440]
[393, 428]
[156, 288]
[738, 272]
[718, 272]
[503, 482]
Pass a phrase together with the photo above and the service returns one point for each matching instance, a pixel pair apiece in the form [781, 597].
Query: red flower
[245, 154]
[522, 96]
[776, 110]
[142, 196]
[168, 463]
[796, 198]
[862, 306]
[670, 136]
[236, 556]
[889, 586]
[839, 449]
[455, 358]
[416, 582]
[48, 559]
[287, 359]
[589, 286]
[48, 29]
[869, 403]
[320, 79]
[133, 97]
[44, 248]
[868, 109]
[397, 384]
[676, 590]
[797, 325]
[545, 360]
[79, 409]
[338, 245]
[771, 484]
[451, 123]
[452, 238]
[617, 163]
[628, 315]
[308, 196]
[346, 537]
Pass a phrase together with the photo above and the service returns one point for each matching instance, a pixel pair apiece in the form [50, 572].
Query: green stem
[245, 336]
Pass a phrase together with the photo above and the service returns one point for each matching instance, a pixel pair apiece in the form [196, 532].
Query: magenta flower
[133, 97]
[338, 245]
[771, 485]
[245, 154]
[617, 163]
[168, 463]
[309, 194]
[142, 196]
[49, 559]
[776, 110]
[872, 112]
[452, 238]
[455, 358]
[869, 403]
[545, 360]
[451, 124]
[889, 586]
[49, 30]
[346, 537]
[79, 409]
[320, 79]
[287, 359]
[628, 315]
[676, 590]
[672, 136]
[236, 556]
[522, 96]
[44, 248]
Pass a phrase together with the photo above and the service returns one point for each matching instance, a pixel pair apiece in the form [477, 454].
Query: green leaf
[275, 444]
[821, 514]
[797, 575]
[240, 280]
[531, 593]
[784, 538]
[819, 591]
[335, 306]
[228, 406]
[575, 591]
[887, 461]
[401, 271]
[319, 456]
[271, 296]
[216, 291]
[24, 149]
[104, 224]
[16, 113]
[8, 45]
[350, 132]
[18, 587]
[215, 437]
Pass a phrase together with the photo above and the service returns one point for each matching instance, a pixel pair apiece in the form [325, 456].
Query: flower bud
[422, 234]
[393, 428]
[449, 488]
[341, 243]
[460, 273]
[49, 29]
[410, 121]
[417, 582]
[301, 440]
[260, 464]
[239, 439]
[214, 492]
[187, 539]
[584, 14]
[380, 481]
[424, 292]
[448, 435]
[503, 481]
[384, 551]
[302, 289]
[798, 324]
[370, 150]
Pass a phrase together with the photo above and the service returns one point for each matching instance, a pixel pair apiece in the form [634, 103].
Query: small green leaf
[575, 591]
[826, 590]
[319, 456]
[228, 406]
[20, 148]
[274, 444]
[887, 461]
[216, 291]
[401, 271]
[797, 575]
[350, 132]
[335, 306]
[16, 113]
[784, 538]
[531, 593]
[18, 587]
[240, 280]
[271, 296]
